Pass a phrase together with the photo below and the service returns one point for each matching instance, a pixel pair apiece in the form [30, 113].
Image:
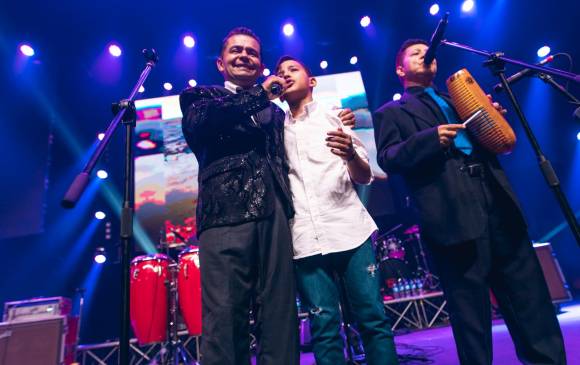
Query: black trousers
[504, 261]
[244, 264]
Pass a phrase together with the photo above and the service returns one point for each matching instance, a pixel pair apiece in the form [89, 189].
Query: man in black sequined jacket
[243, 210]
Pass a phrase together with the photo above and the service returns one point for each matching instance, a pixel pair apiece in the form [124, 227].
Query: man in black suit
[469, 218]
[243, 209]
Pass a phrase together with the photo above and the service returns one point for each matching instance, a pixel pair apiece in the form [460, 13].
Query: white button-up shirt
[329, 214]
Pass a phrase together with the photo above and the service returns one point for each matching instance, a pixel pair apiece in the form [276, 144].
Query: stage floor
[437, 347]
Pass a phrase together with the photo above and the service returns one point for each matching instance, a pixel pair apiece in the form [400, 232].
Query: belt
[474, 169]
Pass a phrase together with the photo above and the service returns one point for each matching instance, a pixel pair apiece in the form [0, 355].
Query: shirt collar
[231, 86]
[418, 90]
[309, 109]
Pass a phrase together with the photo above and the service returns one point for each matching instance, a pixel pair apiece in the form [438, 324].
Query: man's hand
[347, 117]
[267, 85]
[340, 144]
[496, 105]
[447, 132]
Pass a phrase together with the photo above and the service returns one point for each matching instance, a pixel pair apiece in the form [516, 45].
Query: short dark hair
[406, 44]
[243, 31]
[285, 58]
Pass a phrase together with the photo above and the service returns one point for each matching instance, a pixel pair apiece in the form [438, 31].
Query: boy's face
[413, 66]
[298, 84]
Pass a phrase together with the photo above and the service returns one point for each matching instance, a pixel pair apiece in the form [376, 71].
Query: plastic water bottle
[396, 293]
[407, 284]
[420, 286]
[414, 291]
[401, 288]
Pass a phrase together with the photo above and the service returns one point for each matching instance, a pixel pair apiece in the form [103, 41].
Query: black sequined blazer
[239, 144]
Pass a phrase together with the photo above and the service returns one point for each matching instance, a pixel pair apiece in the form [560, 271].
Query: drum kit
[161, 288]
[403, 260]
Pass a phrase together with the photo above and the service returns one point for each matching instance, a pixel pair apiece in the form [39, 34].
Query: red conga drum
[149, 297]
[189, 289]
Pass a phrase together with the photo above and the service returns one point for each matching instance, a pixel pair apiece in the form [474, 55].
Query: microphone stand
[496, 63]
[550, 81]
[126, 113]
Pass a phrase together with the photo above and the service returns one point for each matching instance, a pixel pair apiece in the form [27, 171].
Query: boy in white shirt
[331, 229]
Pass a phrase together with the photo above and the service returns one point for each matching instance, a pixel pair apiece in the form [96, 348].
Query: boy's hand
[340, 144]
[347, 117]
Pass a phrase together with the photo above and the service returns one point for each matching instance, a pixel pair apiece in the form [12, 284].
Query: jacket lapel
[412, 105]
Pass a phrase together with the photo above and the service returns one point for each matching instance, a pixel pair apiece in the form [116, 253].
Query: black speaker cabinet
[559, 291]
[38, 342]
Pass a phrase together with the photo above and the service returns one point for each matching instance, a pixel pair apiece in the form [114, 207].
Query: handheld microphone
[276, 88]
[523, 73]
[436, 39]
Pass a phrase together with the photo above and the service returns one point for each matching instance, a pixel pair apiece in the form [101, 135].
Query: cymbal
[414, 229]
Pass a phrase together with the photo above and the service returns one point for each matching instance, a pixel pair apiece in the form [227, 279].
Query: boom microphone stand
[125, 113]
[496, 63]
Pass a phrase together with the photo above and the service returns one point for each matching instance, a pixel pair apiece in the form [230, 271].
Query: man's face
[413, 67]
[240, 60]
[298, 83]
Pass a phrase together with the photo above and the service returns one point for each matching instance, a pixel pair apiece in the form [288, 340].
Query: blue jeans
[319, 293]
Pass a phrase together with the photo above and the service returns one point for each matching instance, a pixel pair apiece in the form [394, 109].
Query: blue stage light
[100, 215]
[288, 29]
[189, 41]
[544, 51]
[353, 60]
[167, 86]
[26, 50]
[434, 9]
[396, 96]
[100, 255]
[115, 50]
[192, 83]
[323, 64]
[102, 174]
[266, 72]
[467, 6]
[365, 21]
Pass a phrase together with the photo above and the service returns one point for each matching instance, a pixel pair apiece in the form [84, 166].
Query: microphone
[436, 39]
[276, 88]
[520, 75]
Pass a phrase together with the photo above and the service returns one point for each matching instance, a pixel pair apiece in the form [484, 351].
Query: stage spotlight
[323, 64]
[26, 50]
[353, 60]
[365, 21]
[141, 89]
[102, 174]
[544, 51]
[167, 86]
[115, 50]
[100, 255]
[188, 41]
[288, 29]
[266, 72]
[467, 6]
[100, 136]
[192, 83]
[578, 136]
[434, 9]
[396, 96]
[100, 215]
